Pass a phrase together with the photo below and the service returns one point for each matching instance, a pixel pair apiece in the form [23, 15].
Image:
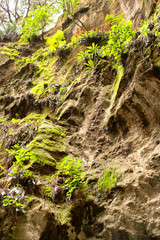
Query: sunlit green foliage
[111, 19]
[10, 201]
[72, 169]
[35, 23]
[121, 33]
[21, 156]
[13, 120]
[90, 53]
[144, 30]
[90, 56]
[55, 41]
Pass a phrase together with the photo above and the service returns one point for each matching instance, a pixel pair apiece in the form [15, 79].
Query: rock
[151, 26]
[109, 118]
[57, 194]
[158, 19]
[29, 85]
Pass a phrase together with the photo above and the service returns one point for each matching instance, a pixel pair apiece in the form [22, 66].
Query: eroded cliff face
[109, 118]
[93, 13]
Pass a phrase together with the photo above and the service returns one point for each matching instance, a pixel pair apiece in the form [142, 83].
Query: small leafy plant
[90, 65]
[14, 120]
[144, 30]
[71, 169]
[20, 157]
[90, 56]
[17, 177]
[55, 41]
[13, 201]
[121, 33]
[108, 180]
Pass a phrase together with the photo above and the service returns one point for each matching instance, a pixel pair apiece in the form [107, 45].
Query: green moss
[3, 119]
[114, 91]
[30, 199]
[50, 140]
[108, 180]
[11, 51]
[12, 131]
[39, 89]
[50, 145]
[13, 120]
[41, 162]
[33, 118]
[157, 61]
[45, 77]
[118, 80]
[63, 214]
[47, 191]
[45, 68]
[45, 144]
[148, 51]
[41, 156]
[48, 128]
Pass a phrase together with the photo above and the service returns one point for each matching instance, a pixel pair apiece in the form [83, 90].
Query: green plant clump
[14, 120]
[33, 118]
[47, 191]
[10, 201]
[90, 56]
[108, 180]
[15, 196]
[22, 157]
[55, 41]
[72, 169]
[120, 35]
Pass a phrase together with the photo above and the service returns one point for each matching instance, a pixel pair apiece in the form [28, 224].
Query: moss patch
[114, 91]
[33, 118]
[3, 119]
[41, 162]
[40, 88]
[48, 147]
[117, 81]
[63, 214]
[47, 191]
[156, 60]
